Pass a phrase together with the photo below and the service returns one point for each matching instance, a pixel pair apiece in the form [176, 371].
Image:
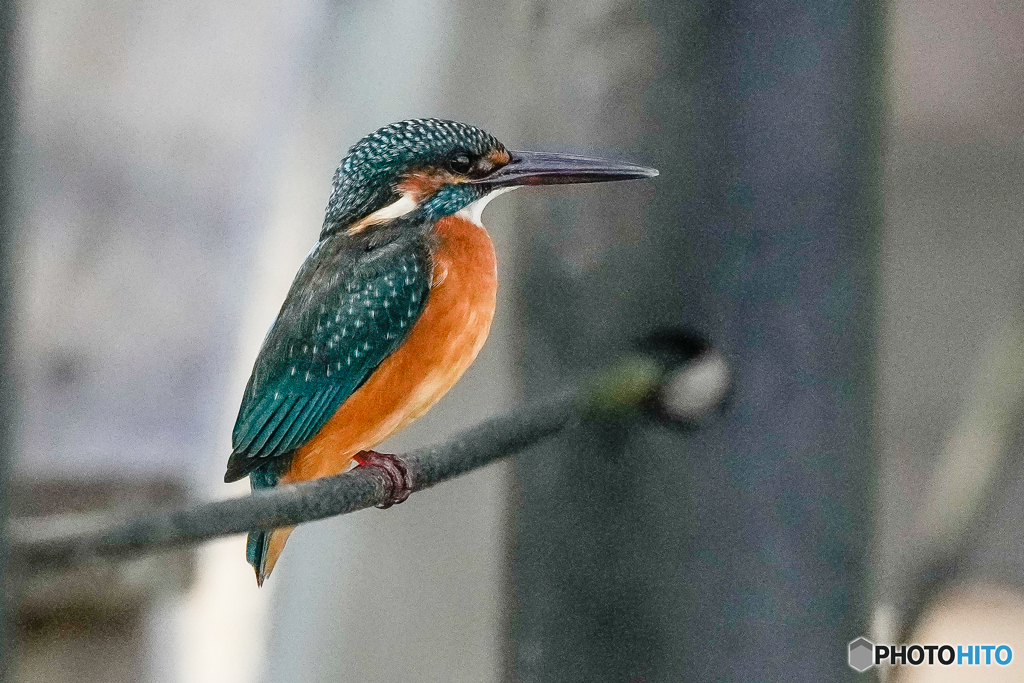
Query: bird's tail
[264, 547]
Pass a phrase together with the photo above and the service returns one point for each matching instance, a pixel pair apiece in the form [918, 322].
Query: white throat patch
[406, 204]
[400, 207]
[472, 212]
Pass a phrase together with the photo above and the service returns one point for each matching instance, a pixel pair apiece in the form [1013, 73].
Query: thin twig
[685, 389]
[969, 484]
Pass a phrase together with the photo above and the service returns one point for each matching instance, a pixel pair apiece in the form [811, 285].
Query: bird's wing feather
[344, 315]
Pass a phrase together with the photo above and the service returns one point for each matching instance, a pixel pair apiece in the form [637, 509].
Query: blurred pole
[7, 390]
[749, 560]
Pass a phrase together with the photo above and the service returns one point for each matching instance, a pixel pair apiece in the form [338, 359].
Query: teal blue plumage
[343, 317]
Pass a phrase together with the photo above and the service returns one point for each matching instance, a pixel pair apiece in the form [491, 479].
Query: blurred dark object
[686, 399]
[95, 621]
[8, 399]
[737, 552]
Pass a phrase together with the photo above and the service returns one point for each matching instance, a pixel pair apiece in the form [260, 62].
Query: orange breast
[444, 342]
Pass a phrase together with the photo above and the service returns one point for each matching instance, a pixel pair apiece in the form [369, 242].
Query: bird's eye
[459, 162]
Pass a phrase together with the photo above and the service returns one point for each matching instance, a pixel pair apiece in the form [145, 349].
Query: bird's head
[439, 167]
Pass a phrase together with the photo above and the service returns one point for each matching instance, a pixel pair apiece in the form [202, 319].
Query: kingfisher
[392, 305]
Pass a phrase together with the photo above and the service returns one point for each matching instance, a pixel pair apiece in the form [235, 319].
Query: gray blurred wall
[152, 138]
[153, 135]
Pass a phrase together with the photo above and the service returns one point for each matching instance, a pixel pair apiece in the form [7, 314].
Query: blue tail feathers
[256, 549]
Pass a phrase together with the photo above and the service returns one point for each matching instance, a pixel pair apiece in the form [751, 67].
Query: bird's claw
[399, 477]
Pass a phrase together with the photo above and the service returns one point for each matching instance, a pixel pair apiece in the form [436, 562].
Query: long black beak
[545, 168]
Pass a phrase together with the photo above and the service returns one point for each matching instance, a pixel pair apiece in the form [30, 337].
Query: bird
[391, 306]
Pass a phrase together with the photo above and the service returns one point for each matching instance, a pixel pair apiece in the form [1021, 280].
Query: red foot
[400, 481]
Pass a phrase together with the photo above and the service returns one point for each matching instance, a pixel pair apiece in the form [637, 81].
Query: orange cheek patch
[422, 184]
[499, 157]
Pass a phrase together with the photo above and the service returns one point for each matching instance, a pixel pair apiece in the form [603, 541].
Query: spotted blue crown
[365, 179]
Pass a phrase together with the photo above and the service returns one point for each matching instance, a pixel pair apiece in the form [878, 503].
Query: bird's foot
[399, 480]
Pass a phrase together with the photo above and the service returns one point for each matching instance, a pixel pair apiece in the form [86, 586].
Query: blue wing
[347, 311]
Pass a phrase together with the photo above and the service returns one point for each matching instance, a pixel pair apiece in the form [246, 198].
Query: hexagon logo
[862, 654]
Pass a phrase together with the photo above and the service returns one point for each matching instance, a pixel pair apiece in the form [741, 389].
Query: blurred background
[839, 211]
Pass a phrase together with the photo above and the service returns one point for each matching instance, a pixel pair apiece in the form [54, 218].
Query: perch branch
[682, 390]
